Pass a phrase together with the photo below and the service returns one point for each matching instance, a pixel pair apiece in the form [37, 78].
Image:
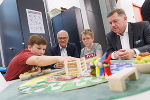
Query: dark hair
[37, 39]
[118, 11]
[87, 32]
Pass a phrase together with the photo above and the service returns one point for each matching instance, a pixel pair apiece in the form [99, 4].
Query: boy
[31, 57]
[91, 50]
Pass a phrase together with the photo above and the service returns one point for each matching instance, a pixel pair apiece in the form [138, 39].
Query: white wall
[128, 7]
[138, 2]
[62, 3]
[1, 1]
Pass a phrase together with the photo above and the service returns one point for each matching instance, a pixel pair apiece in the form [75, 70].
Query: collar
[126, 31]
[62, 48]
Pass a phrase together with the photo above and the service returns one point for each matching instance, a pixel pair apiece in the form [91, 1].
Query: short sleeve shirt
[96, 49]
[18, 65]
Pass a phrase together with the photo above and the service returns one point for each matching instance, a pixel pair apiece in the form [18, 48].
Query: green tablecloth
[97, 92]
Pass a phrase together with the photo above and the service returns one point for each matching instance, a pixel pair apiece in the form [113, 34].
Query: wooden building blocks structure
[117, 81]
[77, 67]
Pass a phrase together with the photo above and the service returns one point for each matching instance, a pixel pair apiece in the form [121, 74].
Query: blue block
[3, 74]
[101, 71]
[3, 69]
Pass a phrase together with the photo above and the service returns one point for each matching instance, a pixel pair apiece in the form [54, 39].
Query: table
[97, 92]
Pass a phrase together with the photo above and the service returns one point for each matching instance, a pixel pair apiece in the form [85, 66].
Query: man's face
[87, 40]
[62, 38]
[118, 23]
[38, 50]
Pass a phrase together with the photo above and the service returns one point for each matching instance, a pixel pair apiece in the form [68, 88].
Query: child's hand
[68, 58]
[59, 65]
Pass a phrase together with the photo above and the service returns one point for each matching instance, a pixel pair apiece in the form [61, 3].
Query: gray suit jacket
[139, 37]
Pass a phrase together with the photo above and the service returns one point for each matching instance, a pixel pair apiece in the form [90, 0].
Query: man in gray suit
[126, 40]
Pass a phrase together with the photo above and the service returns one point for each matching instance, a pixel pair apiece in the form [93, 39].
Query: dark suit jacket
[71, 51]
[139, 37]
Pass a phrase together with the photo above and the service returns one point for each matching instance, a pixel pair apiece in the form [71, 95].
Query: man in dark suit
[63, 48]
[126, 39]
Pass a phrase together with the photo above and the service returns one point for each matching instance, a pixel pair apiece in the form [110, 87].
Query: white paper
[35, 21]
[3, 83]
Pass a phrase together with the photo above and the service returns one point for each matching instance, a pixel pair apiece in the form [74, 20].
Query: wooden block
[72, 69]
[76, 67]
[117, 81]
[72, 66]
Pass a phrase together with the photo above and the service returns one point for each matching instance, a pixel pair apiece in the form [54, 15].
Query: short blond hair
[87, 32]
[120, 12]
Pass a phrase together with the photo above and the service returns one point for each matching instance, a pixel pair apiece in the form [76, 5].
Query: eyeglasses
[87, 38]
[62, 38]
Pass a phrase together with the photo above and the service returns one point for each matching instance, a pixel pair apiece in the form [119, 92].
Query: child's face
[38, 50]
[87, 40]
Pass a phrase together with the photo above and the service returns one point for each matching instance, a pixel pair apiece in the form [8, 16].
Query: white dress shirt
[125, 43]
[125, 39]
[63, 51]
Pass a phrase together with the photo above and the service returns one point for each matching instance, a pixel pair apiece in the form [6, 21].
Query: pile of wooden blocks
[77, 67]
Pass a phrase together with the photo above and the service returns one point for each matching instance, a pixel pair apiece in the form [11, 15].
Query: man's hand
[116, 54]
[125, 54]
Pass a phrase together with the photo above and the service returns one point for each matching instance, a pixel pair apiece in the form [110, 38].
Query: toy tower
[77, 67]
